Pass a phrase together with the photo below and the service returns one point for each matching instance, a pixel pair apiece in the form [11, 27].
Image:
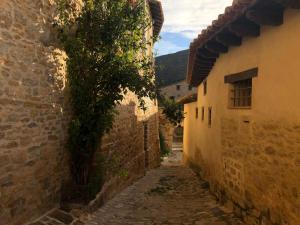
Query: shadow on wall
[131, 147]
[34, 112]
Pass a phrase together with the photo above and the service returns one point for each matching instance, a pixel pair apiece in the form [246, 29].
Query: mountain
[171, 68]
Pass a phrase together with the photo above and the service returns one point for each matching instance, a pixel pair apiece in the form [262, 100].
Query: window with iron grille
[202, 113]
[197, 113]
[241, 94]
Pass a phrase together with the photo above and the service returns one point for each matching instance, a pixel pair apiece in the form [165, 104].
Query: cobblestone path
[170, 195]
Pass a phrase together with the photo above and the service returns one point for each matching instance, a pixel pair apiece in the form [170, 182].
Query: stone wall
[33, 112]
[174, 92]
[266, 159]
[124, 151]
[167, 129]
[34, 116]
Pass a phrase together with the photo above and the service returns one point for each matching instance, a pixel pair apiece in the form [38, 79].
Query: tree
[105, 45]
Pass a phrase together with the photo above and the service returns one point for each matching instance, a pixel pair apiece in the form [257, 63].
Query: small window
[197, 113]
[178, 87]
[204, 87]
[172, 98]
[202, 113]
[209, 116]
[240, 94]
[190, 87]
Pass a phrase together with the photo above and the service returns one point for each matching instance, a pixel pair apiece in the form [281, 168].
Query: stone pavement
[170, 195]
[175, 157]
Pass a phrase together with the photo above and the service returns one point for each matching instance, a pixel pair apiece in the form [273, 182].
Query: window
[197, 113]
[172, 98]
[190, 87]
[204, 87]
[178, 87]
[209, 116]
[240, 93]
[202, 113]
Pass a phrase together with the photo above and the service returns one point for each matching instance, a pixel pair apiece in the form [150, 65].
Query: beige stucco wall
[255, 164]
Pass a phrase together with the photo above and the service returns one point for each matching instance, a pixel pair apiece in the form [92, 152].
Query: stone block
[61, 216]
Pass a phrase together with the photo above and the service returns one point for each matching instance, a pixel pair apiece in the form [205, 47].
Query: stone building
[177, 90]
[174, 92]
[35, 112]
[243, 131]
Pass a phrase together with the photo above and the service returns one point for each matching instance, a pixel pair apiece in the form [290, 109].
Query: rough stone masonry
[34, 116]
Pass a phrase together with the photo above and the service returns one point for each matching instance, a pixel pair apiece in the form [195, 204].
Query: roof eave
[157, 16]
[224, 33]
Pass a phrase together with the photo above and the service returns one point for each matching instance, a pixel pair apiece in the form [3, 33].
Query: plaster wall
[251, 156]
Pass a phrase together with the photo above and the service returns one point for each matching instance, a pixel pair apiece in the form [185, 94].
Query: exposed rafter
[216, 47]
[243, 19]
[205, 53]
[228, 38]
[244, 27]
[266, 16]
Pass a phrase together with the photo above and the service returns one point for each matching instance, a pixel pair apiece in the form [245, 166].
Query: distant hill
[171, 68]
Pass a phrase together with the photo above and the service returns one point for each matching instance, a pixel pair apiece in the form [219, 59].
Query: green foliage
[105, 44]
[97, 178]
[172, 110]
[164, 150]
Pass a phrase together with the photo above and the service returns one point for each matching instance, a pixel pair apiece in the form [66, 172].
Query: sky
[184, 20]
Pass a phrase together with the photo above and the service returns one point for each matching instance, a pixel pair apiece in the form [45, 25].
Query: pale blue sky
[184, 20]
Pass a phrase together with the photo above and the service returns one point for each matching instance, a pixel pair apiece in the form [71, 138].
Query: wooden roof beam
[243, 27]
[266, 16]
[205, 64]
[205, 60]
[228, 38]
[216, 47]
[205, 53]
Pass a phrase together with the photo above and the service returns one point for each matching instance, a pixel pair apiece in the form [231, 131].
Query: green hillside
[171, 68]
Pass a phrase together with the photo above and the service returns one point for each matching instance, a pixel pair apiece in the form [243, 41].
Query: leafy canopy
[106, 47]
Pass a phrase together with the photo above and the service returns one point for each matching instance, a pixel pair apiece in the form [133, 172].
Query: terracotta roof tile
[230, 15]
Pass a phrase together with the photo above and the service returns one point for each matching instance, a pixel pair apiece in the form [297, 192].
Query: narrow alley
[170, 195]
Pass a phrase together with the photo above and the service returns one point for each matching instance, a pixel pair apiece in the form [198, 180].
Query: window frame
[236, 89]
[233, 79]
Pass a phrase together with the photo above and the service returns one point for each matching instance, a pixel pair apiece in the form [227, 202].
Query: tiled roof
[243, 18]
